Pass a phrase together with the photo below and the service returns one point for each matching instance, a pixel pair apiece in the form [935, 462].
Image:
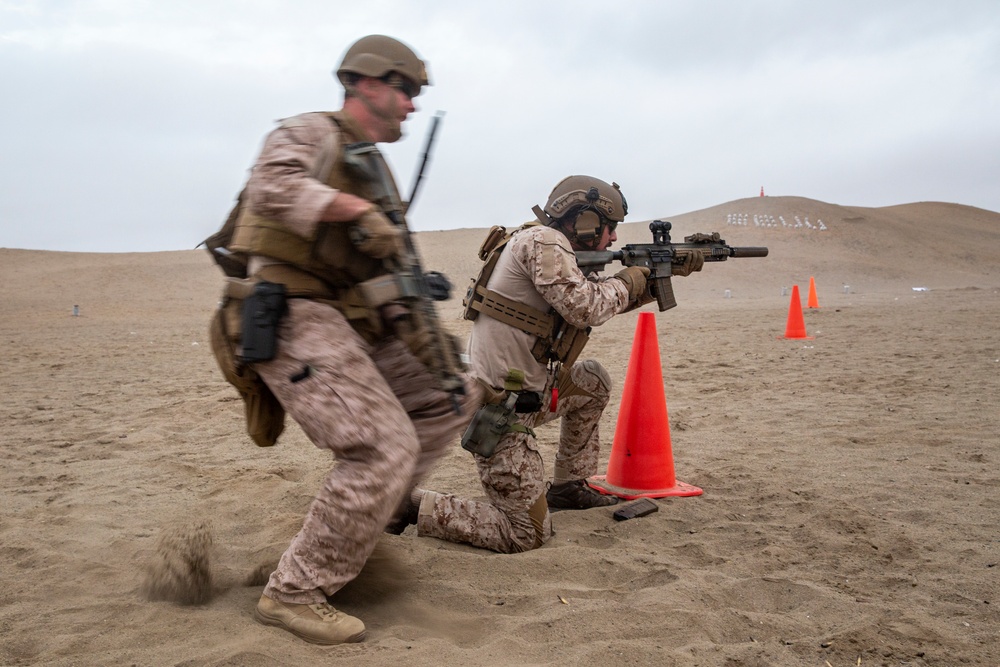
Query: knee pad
[592, 376]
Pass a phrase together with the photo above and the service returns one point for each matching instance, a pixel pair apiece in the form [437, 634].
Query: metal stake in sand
[642, 462]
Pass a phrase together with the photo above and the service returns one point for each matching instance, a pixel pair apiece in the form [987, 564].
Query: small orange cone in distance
[796, 327]
[812, 301]
[642, 462]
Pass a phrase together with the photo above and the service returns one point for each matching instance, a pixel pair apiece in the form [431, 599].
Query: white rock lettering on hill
[767, 220]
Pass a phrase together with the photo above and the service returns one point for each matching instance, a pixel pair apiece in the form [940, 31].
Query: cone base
[679, 489]
[787, 337]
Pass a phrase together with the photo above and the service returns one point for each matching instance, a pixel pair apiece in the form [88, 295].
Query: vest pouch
[492, 240]
[564, 346]
[233, 264]
[257, 235]
[474, 295]
[570, 342]
[470, 313]
[490, 423]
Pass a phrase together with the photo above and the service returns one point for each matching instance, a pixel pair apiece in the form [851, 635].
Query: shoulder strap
[329, 151]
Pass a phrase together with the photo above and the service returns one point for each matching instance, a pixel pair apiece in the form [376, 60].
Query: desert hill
[927, 244]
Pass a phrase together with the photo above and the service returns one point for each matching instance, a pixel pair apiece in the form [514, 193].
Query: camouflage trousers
[375, 409]
[514, 477]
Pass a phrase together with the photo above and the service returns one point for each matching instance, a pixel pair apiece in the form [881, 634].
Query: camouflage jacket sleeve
[549, 259]
[281, 185]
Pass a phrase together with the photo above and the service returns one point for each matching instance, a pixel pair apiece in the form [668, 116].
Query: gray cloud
[130, 126]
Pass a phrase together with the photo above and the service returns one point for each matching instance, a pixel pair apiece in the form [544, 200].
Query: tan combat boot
[318, 623]
[576, 495]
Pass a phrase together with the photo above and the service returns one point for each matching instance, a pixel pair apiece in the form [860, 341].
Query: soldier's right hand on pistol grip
[375, 235]
[634, 278]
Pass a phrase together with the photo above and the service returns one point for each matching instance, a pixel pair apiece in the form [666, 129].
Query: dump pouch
[262, 311]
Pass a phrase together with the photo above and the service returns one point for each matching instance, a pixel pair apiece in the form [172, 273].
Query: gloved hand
[693, 260]
[634, 278]
[438, 285]
[375, 235]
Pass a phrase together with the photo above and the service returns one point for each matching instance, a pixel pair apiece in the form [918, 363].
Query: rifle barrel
[431, 133]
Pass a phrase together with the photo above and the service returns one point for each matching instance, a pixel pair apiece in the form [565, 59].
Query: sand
[850, 511]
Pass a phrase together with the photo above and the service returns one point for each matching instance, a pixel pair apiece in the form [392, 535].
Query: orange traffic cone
[812, 301]
[796, 327]
[642, 463]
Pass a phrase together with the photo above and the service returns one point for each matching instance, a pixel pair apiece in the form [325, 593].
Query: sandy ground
[851, 505]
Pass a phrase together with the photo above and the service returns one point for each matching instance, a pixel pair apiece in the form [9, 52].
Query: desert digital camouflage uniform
[372, 404]
[537, 268]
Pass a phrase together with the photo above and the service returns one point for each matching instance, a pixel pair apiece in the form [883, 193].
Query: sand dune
[851, 488]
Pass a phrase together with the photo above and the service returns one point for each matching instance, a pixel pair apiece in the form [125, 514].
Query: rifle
[660, 255]
[417, 288]
[431, 133]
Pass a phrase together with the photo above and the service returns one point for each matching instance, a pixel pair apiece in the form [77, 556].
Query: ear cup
[587, 224]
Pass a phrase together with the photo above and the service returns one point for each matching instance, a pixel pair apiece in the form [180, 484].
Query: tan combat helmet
[378, 56]
[593, 202]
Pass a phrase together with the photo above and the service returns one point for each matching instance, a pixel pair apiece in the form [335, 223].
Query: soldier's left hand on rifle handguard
[691, 260]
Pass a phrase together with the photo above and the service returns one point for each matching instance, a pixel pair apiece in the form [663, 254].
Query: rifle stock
[661, 255]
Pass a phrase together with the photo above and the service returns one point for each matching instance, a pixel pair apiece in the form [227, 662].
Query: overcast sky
[130, 125]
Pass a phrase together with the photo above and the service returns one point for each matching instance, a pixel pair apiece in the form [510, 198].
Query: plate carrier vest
[556, 341]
